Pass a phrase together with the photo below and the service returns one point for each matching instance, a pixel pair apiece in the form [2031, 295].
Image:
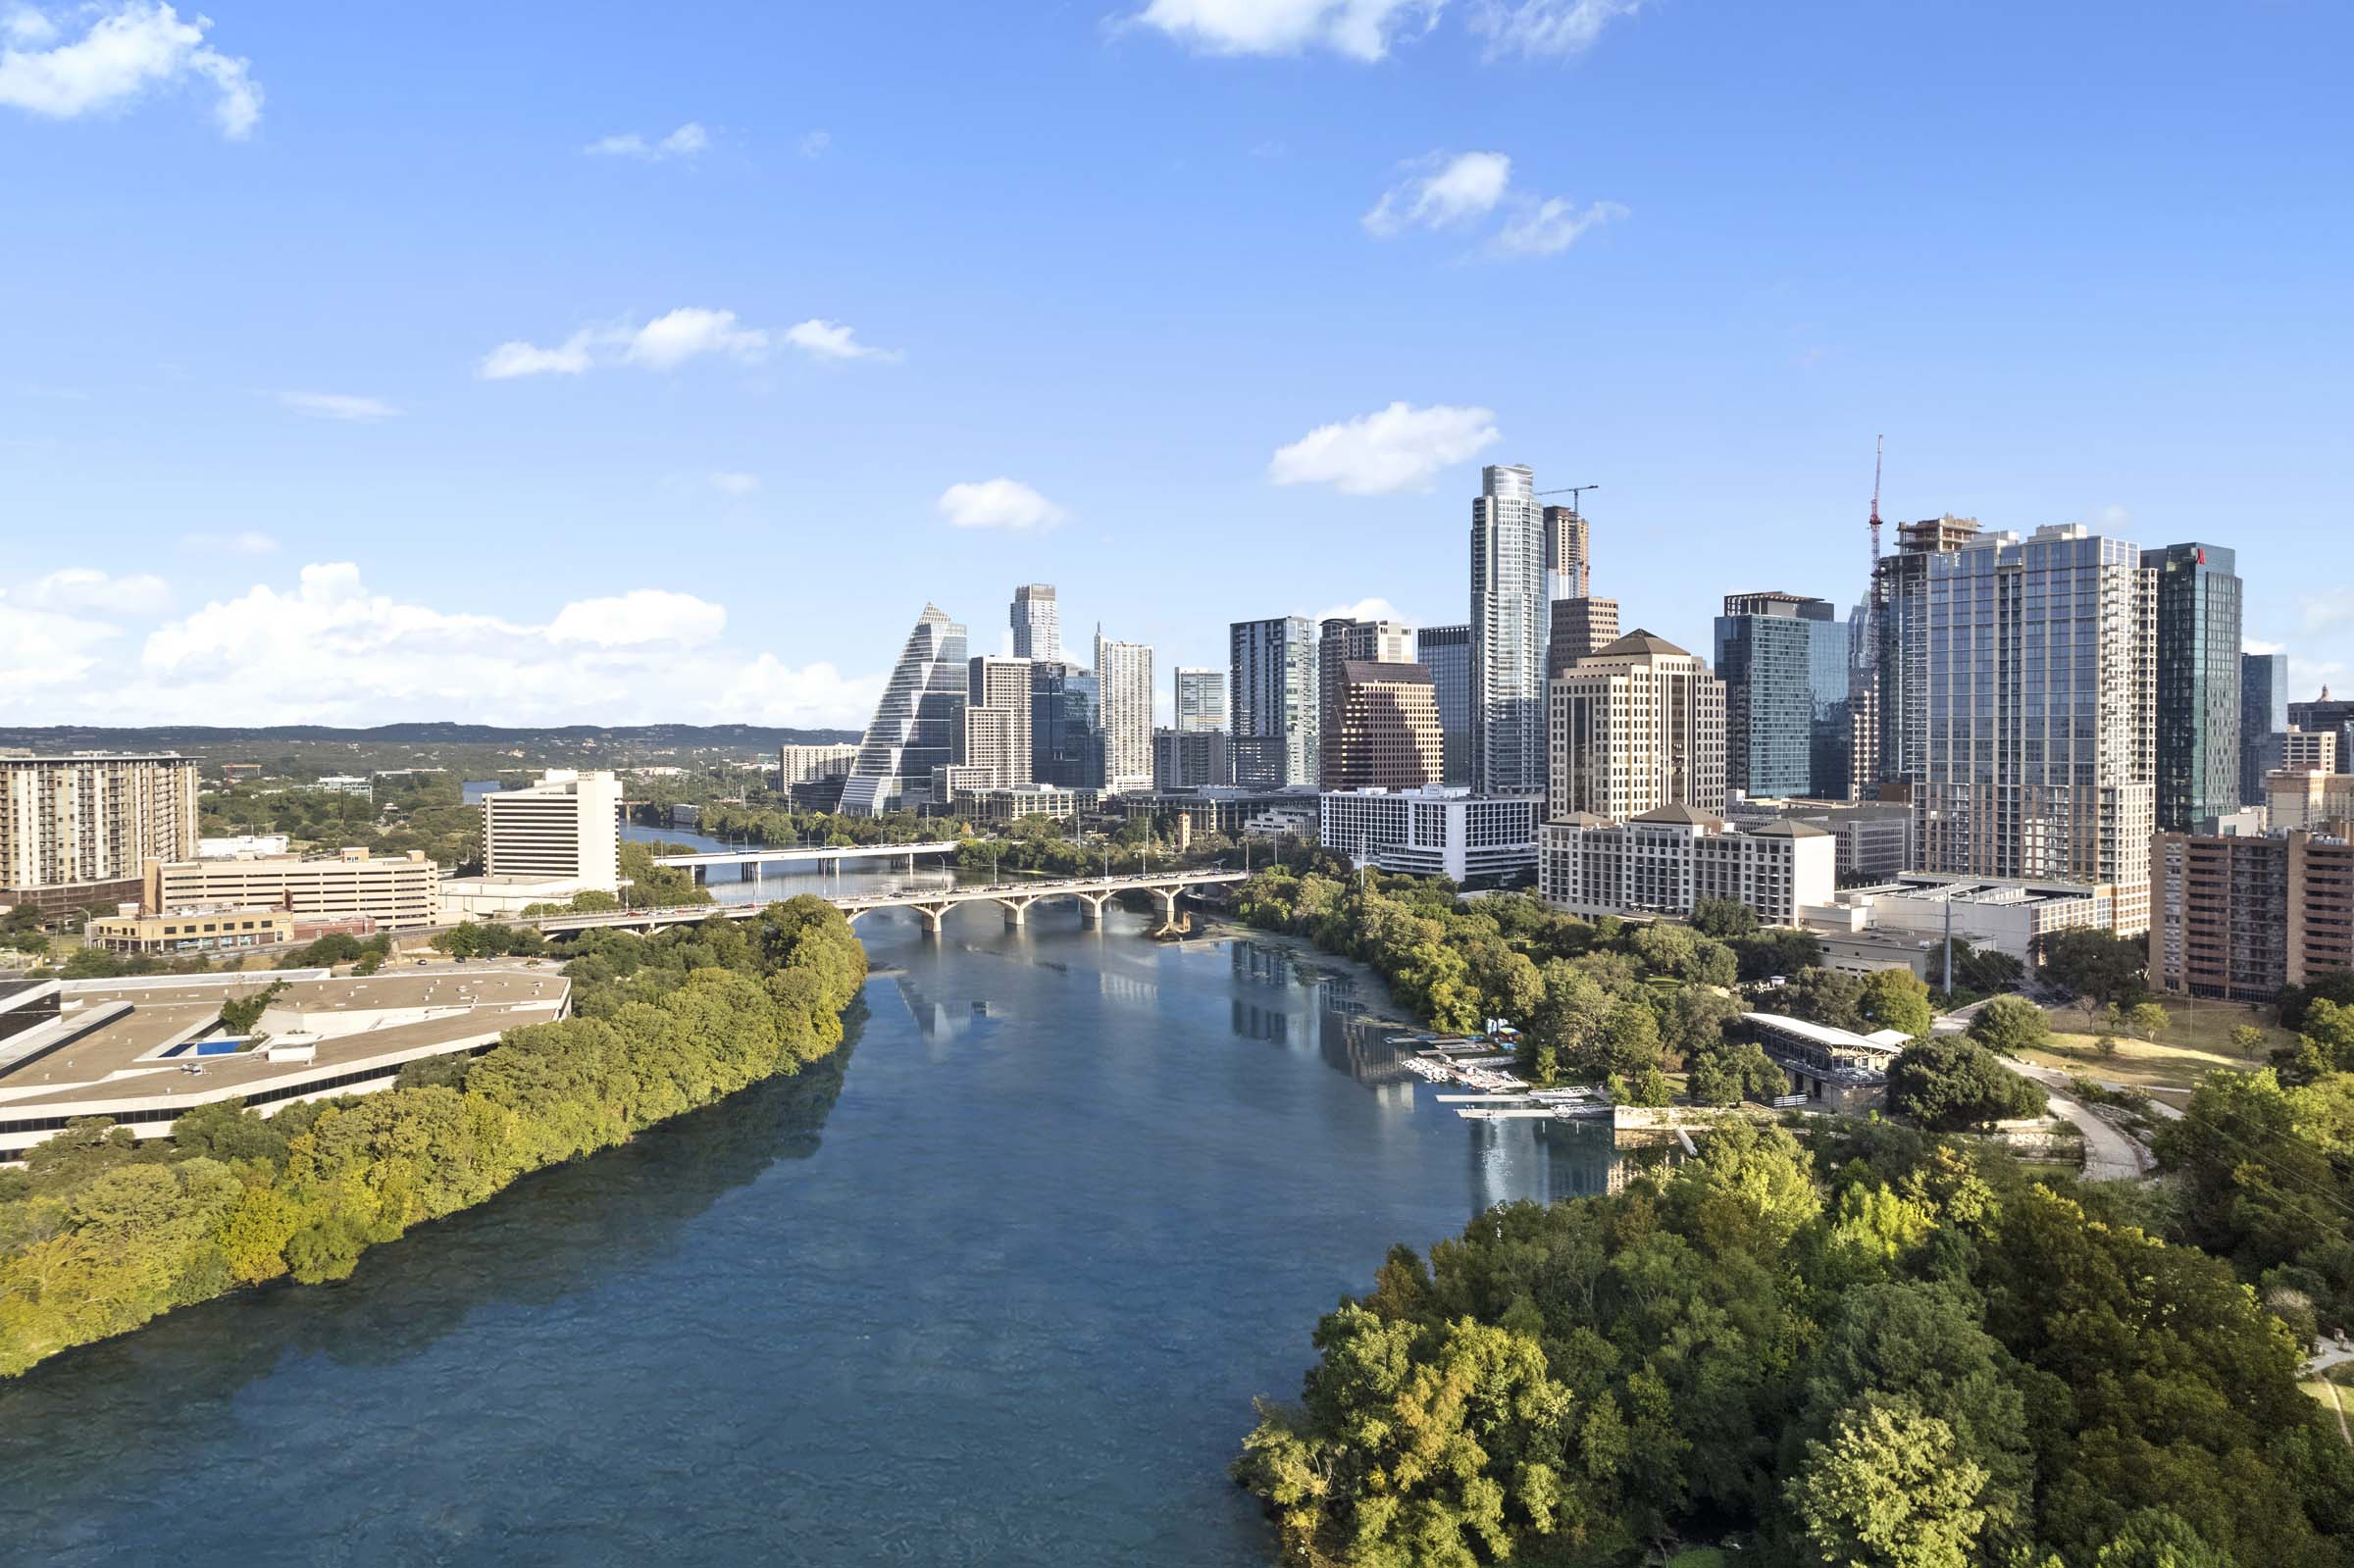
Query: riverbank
[102, 1234]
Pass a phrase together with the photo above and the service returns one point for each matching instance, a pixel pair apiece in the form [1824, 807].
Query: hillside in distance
[626, 738]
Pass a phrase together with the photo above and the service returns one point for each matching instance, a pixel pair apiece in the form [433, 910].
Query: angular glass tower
[2198, 683]
[916, 724]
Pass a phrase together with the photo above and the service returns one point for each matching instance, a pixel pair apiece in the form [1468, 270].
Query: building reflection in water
[939, 1021]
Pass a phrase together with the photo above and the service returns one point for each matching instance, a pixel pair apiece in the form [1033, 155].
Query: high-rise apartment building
[1445, 652]
[1508, 627]
[1125, 670]
[1192, 759]
[1569, 561]
[75, 829]
[2198, 683]
[1900, 659]
[1577, 627]
[1636, 725]
[1201, 701]
[1381, 727]
[1783, 659]
[1272, 668]
[917, 726]
[2040, 665]
[1339, 640]
[996, 725]
[1066, 725]
[807, 764]
[1037, 621]
[567, 828]
[2239, 918]
[2263, 719]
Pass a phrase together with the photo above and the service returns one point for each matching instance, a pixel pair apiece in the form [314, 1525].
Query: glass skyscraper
[1446, 650]
[2039, 668]
[1037, 621]
[918, 724]
[1783, 659]
[1511, 619]
[1067, 730]
[2198, 683]
[2263, 719]
[1272, 672]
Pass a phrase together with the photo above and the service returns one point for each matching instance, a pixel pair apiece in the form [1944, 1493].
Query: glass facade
[2198, 683]
[917, 726]
[1273, 684]
[2263, 719]
[1784, 663]
[1066, 732]
[1446, 651]
[1511, 617]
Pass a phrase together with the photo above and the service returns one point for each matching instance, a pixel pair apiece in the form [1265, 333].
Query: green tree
[2247, 1040]
[1889, 1490]
[2010, 1024]
[2095, 965]
[1822, 995]
[1724, 919]
[1664, 948]
[2147, 1020]
[1952, 1083]
[1896, 998]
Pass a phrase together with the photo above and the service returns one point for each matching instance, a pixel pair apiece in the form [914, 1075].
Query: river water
[995, 1285]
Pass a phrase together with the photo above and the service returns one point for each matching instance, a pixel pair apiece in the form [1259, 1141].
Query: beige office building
[2309, 749]
[74, 830]
[2307, 800]
[814, 764]
[398, 893]
[1634, 727]
[567, 827]
[1579, 626]
[1381, 728]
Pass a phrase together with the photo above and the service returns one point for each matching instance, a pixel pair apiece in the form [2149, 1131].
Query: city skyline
[246, 499]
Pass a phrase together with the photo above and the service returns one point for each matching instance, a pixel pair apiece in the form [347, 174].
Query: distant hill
[90, 738]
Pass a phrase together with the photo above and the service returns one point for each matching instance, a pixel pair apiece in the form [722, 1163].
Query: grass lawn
[1698, 1558]
[2195, 1041]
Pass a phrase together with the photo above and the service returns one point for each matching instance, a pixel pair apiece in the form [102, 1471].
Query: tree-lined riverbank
[100, 1232]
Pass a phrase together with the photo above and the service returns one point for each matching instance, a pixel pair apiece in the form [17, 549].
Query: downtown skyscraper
[1125, 672]
[1783, 659]
[1201, 701]
[2038, 662]
[918, 725]
[2263, 719]
[2198, 683]
[1037, 623]
[1272, 674]
[1445, 652]
[1510, 619]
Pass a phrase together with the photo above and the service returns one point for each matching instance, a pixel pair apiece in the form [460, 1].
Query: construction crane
[1574, 492]
[1878, 446]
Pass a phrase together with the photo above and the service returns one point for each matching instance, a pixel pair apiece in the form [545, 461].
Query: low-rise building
[143, 1052]
[1012, 802]
[346, 783]
[188, 931]
[1231, 812]
[2006, 914]
[398, 893]
[2306, 750]
[1664, 861]
[2240, 917]
[1835, 1068]
[506, 898]
[1873, 838]
[1433, 831]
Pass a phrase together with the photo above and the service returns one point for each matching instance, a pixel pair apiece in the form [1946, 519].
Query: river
[995, 1285]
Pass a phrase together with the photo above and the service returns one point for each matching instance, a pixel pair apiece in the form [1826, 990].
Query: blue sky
[2079, 262]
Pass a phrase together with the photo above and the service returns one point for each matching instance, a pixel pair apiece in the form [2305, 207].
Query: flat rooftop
[349, 1023]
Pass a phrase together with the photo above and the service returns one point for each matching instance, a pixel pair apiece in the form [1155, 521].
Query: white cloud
[1361, 609]
[1552, 227]
[1442, 190]
[641, 614]
[1362, 29]
[338, 406]
[998, 503]
[132, 47]
[515, 358]
[84, 588]
[1398, 448]
[1547, 27]
[685, 142]
[668, 342]
[327, 649]
[2252, 645]
[821, 339]
[245, 541]
[26, 26]
[814, 144]
[728, 482]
